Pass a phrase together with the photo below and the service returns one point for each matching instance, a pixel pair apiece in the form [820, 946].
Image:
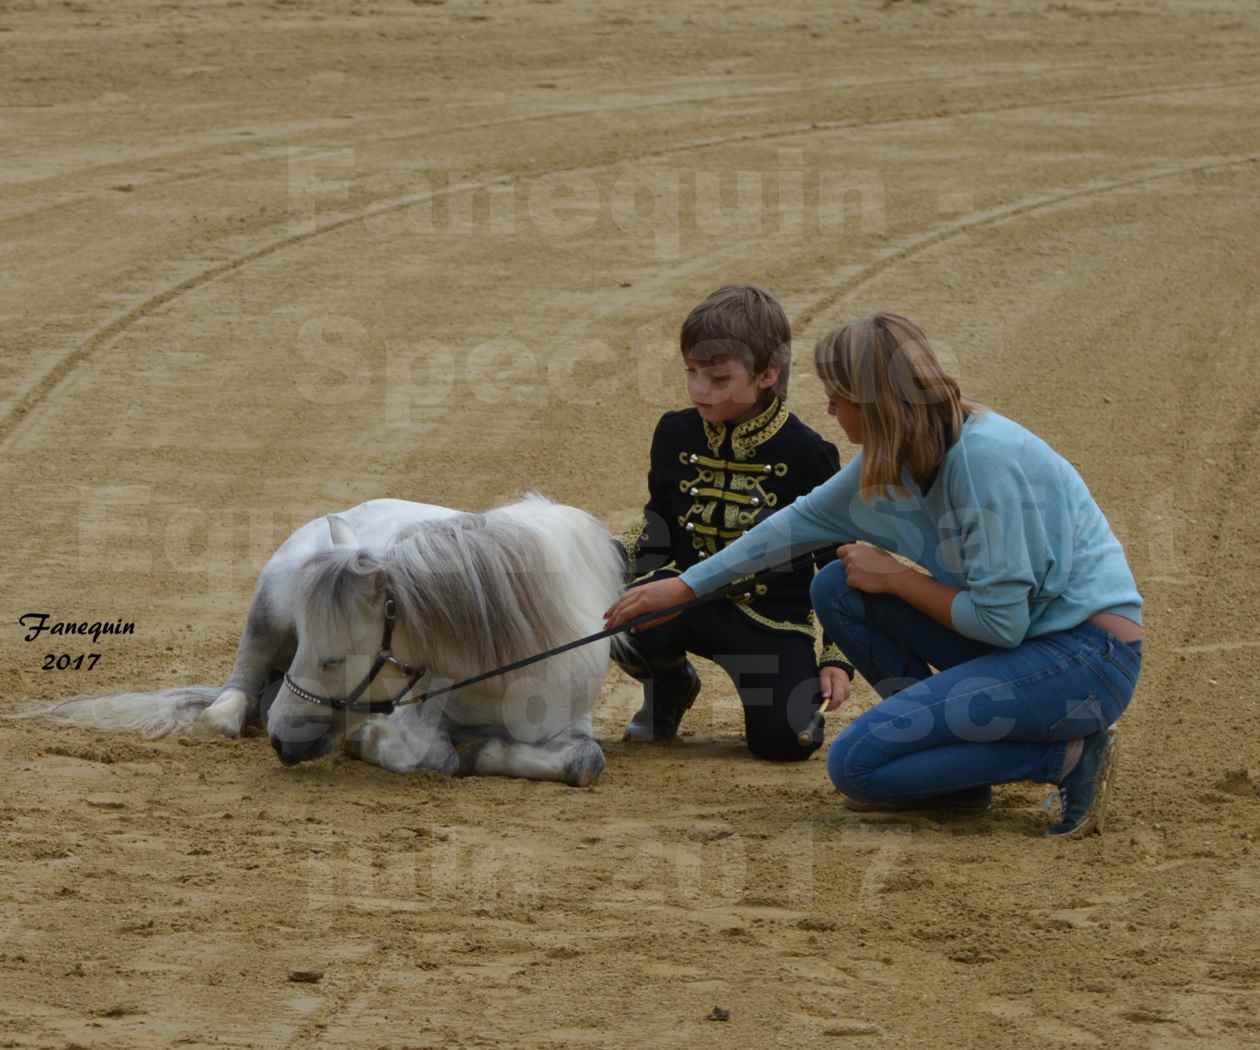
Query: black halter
[385, 656]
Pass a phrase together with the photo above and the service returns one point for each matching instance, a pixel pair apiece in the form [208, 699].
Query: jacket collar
[749, 435]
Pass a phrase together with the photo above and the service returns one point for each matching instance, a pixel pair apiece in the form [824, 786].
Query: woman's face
[848, 415]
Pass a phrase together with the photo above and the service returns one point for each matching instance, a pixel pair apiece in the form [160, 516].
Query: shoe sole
[1097, 815]
[923, 806]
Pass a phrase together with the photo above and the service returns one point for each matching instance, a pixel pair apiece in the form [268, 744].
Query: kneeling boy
[716, 470]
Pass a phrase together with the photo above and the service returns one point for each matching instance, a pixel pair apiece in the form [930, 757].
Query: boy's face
[724, 391]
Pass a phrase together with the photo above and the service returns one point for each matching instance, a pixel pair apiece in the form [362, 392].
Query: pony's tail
[153, 714]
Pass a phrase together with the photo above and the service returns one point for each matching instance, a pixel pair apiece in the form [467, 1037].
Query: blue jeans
[988, 716]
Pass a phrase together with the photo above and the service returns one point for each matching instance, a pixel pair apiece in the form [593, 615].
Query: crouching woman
[1013, 655]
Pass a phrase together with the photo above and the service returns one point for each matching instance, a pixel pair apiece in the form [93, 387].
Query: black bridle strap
[383, 657]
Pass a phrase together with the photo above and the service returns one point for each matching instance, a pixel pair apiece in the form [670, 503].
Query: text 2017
[66, 662]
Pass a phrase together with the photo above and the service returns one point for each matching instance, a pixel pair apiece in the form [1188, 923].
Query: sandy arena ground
[259, 261]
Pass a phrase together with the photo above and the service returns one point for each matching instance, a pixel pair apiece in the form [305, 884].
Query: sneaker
[1083, 792]
[970, 800]
[664, 704]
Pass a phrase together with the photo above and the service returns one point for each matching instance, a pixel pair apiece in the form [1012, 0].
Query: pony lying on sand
[391, 597]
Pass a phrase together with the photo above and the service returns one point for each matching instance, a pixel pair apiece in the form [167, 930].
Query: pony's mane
[334, 581]
[474, 590]
[474, 583]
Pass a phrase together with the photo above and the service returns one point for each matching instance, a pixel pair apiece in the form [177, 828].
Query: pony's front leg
[229, 712]
[404, 742]
[573, 758]
[266, 643]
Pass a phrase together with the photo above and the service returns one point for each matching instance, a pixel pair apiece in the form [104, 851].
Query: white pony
[468, 593]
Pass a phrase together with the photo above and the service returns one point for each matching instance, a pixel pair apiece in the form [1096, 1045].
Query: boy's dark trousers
[775, 672]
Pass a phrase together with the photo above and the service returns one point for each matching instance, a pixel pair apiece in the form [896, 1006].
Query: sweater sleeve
[992, 517]
[827, 465]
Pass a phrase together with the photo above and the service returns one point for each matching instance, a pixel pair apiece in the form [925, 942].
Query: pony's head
[340, 618]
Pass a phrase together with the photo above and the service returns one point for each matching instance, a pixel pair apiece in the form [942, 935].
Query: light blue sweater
[1007, 519]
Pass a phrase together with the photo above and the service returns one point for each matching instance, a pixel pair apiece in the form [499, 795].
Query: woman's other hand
[868, 568]
[834, 685]
[647, 598]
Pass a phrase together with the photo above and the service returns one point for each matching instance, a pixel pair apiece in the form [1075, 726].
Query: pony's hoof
[226, 716]
[585, 764]
[450, 765]
[355, 744]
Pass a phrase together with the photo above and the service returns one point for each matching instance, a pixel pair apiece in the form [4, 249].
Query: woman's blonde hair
[912, 411]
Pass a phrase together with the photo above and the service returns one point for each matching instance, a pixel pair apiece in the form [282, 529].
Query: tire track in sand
[43, 388]
[271, 150]
[908, 247]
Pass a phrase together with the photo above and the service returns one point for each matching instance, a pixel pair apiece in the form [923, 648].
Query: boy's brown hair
[745, 323]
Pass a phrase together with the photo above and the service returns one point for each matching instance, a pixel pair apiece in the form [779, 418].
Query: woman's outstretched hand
[646, 598]
[870, 569]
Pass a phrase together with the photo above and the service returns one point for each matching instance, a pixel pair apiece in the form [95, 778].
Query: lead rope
[638, 621]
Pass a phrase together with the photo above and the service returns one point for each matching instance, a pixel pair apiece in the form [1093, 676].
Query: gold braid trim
[726, 464]
[779, 625]
[831, 652]
[728, 496]
[671, 567]
[630, 538]
[709, 530]
[755, 432]
[715, 433]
